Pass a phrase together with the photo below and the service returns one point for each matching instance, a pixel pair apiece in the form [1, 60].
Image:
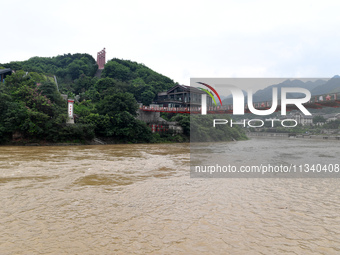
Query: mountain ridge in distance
[317, 87]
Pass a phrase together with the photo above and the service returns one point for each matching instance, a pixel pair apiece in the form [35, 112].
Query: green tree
[101, 123]
[91, 94]
[49, 89]
[184, 121]
[147, 97]
[126, 128]
[334, 124]
[104, 84]
[120, 102]
[83, 83]
[319, 119]
[202, 130]
[84, 108]
[117, 71]
[17, 80]
[34, 124]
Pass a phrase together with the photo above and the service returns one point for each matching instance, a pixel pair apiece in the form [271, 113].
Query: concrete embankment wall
[149, 117]
[154, 118]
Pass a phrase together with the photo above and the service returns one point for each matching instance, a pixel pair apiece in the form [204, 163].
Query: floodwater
[140, 199]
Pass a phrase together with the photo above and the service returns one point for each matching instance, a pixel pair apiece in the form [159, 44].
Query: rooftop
[187, 88]
[7, 70]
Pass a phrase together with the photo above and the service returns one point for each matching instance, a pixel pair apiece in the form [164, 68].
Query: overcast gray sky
[182, 39]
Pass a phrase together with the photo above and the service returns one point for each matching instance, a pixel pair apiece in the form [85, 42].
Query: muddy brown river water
[140, 199]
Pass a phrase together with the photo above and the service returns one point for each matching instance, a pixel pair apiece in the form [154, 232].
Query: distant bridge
[316, 102]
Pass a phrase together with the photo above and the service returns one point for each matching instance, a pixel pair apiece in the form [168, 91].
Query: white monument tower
[70, 111]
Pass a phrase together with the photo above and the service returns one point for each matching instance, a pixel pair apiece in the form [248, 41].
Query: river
[140, 199]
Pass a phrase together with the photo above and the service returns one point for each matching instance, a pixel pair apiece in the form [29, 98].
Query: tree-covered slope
[67, 65]
[75, 75]
[32, 107]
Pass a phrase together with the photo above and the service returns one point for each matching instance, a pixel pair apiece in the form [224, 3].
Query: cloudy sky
[182, 39]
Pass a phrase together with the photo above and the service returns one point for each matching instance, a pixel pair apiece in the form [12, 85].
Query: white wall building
[303, 119]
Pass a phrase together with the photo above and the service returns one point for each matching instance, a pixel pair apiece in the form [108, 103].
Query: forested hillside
[32, 107]
[33, 110]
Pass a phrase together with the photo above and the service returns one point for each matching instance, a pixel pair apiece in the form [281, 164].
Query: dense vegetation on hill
[35, 112]
[31, 106]
[202, 130]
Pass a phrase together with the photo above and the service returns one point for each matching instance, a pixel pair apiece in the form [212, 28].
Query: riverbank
[95, 141]
[292, 135]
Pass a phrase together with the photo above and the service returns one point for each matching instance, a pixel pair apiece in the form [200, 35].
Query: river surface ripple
[139, 199]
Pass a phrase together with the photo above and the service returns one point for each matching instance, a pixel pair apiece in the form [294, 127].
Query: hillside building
[303, 119]
[4, 73]
[181, 96]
